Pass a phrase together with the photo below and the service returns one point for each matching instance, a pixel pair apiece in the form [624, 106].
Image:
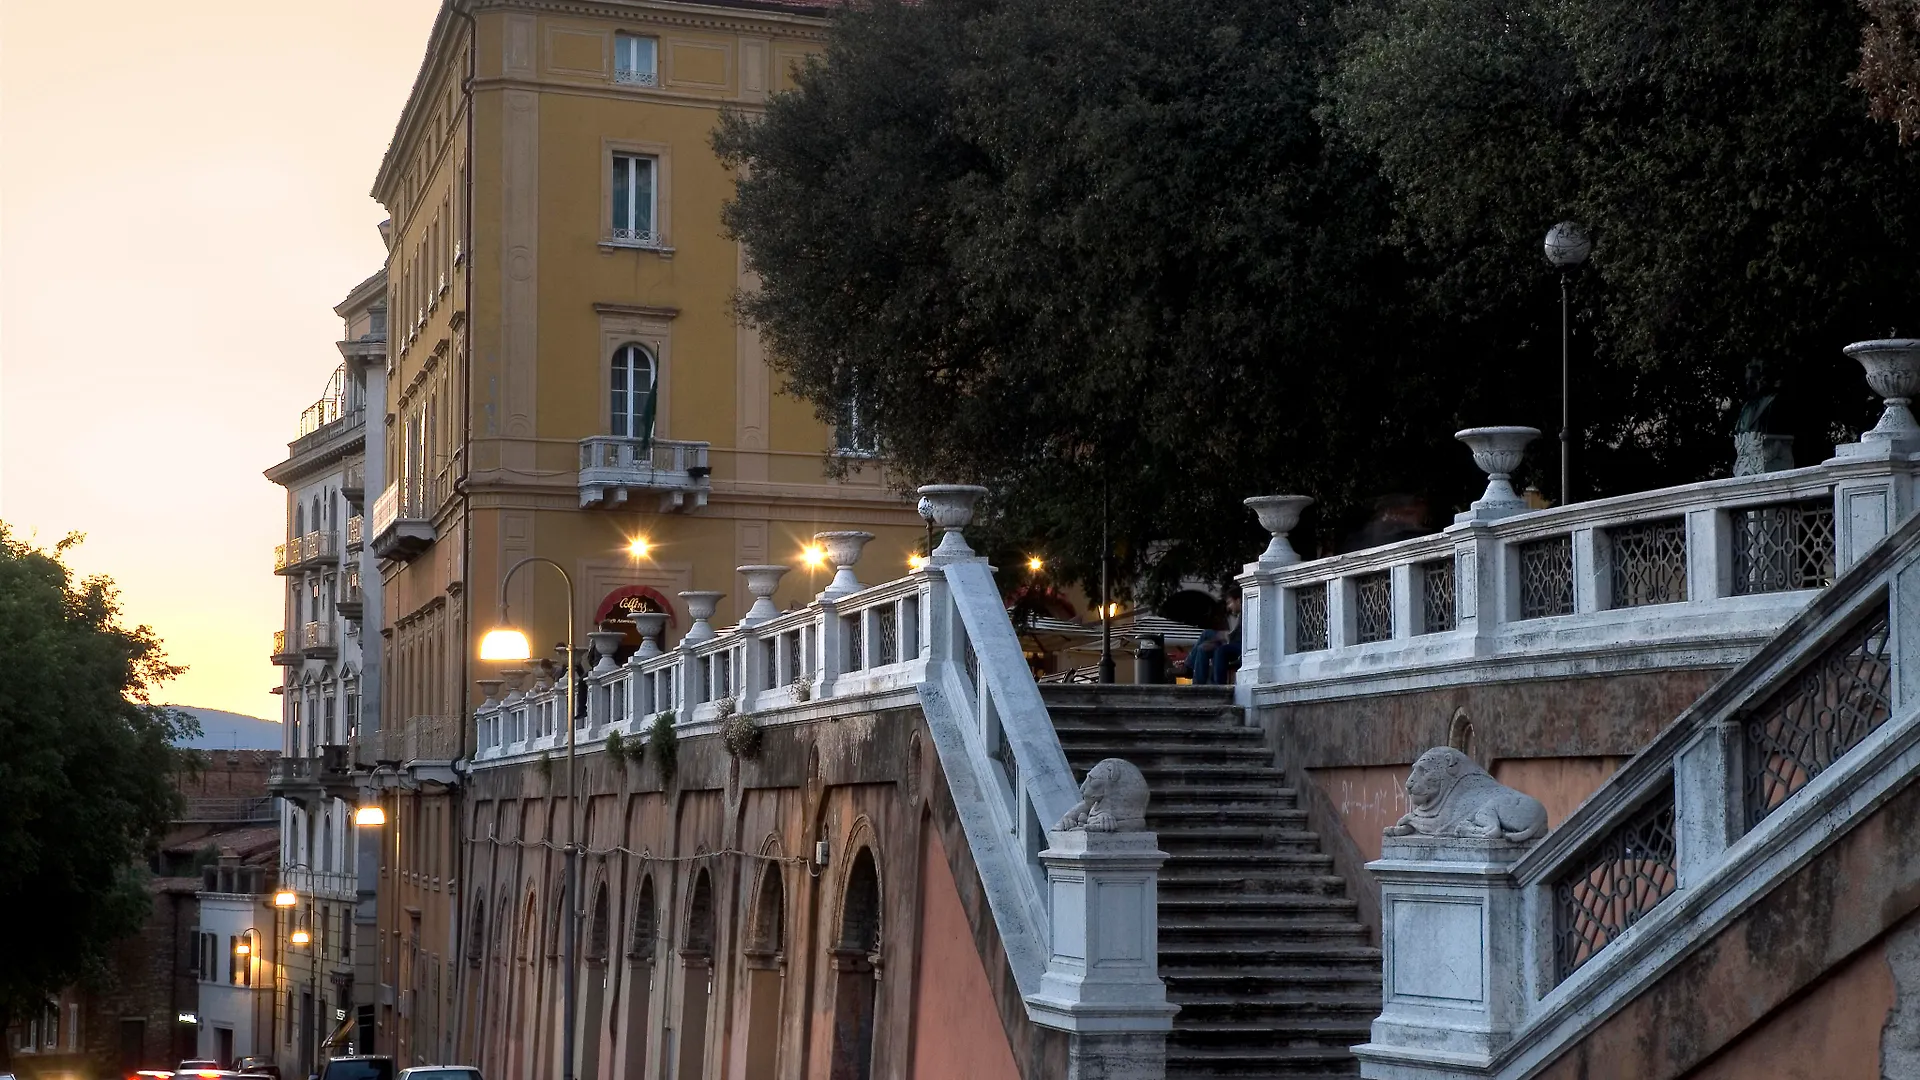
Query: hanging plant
[664, 743]
[546, 768]
[616, 749]
[739, 731]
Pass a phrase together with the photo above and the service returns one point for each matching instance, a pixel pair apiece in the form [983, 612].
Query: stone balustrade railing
[1501, 955]
[1694, 575]
[938, 638]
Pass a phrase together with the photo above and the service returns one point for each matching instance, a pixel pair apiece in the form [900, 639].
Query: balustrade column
[1406, 601]
[1707, 807]
[1592, 571]
[1709, 554]
[1342, 614]
[1481, 583]
[830, 640]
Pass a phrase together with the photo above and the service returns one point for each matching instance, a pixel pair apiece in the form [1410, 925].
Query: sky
[181, 206]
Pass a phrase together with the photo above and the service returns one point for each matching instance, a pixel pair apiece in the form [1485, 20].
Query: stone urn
[1278, 515]
[515, 678]
[1893, 370]
[701, 604]
[950, 507]
[842, 550]
[650, 624]
[605, 644]
[491, 688]
[1498, 451]
[762, 580]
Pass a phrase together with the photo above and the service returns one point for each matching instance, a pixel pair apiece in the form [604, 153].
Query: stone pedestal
[1453, 932]
[1103, 978]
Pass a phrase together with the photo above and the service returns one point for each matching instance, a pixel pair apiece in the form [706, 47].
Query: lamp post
[1106, 600]
[507, 643]
[285, 899]
[1567, 246]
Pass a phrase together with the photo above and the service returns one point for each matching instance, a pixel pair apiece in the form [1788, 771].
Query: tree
[1089, 252]
[1890, 64]
[1744, 207]
[87, 764]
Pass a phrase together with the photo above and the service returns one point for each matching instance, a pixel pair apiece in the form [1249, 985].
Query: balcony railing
[403, 517]
[349, 602]
[281, 654]
[422, 739]
[329, 884]
[630, 77]
[309, 780]
[305, 552]
[354, 484]
[613, 469]
[319, 640]
[354, 530]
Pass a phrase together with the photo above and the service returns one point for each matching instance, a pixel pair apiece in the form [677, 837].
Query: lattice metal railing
[1819, 714]
[1310, 617]
[856, 640]
[1781, 547]
[887, 623]
[1373, 600]
[1436, 596]
[1621, 878]
[1649, 563]
[1546, 577]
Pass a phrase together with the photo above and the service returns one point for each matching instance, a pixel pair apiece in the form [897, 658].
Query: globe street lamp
[506, 642]
[1567, 246]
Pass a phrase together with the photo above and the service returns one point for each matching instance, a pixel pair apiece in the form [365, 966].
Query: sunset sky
[180, 208]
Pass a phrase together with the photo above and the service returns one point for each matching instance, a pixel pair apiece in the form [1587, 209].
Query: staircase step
[1251, 984]
[1267, 953]
[1145, 756]
[1213, 863]
[1274, 905]
[1196, 837]
[1161, 818]
[1296, 1063]
[1220, 885]
[1174, 724]
[1171, 797]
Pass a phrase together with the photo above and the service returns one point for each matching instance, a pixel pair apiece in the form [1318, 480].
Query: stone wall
[869, 786]
[1555, 739]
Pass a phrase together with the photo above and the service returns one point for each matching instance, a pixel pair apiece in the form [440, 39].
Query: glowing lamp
[301, 937]
[815, 555]
[285, 898]
[243, 949]
[370, 815]
[1034, 564]
[504, 643]
[916, 562]
[638, 547]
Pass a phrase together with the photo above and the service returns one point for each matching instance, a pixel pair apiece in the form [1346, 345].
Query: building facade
[567, 380]
[328, 673]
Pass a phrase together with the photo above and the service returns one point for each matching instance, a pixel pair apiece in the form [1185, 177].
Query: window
[633, 60]
[853, 435]
[633, 388]
[633, 201]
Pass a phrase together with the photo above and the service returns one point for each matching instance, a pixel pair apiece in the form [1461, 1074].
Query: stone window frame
[651, 329]
[662, 155]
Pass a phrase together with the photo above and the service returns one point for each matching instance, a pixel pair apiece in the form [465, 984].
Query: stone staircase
[1259, 945]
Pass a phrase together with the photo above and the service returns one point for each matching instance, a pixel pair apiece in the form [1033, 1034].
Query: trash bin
[1150, 660]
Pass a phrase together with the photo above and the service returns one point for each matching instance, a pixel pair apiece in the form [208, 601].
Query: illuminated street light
[638, 547]
[916, 562]
[285, 898]
[505, 643]
[814, 555]
[367, 816]
[301, 937]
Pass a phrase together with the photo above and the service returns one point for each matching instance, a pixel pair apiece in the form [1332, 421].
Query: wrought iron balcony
[349, 601]
[310, 780]
[306, 552]
[319, 641]
[403, 517]
[354, 484]
[631, 77]
[282, 655]
[613, 469]
[355, 530]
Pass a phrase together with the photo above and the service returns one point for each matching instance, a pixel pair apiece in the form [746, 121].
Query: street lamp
[286, 899]
[506, 642]
[370, 815]
[1566, 247]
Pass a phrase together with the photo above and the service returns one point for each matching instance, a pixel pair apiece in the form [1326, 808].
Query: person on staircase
[1216, 656]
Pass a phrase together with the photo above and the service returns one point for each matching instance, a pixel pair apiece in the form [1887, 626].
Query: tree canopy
[87, 767]
[1180, 252]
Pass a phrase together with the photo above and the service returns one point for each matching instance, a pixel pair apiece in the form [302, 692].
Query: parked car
[440, 1072]
[199, 1069]
[357, 1067]
[256, 1065]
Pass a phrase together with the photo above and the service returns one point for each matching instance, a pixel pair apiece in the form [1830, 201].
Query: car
[199, 1069]
[357, 1067]
[440, 1072]
[255, 1065]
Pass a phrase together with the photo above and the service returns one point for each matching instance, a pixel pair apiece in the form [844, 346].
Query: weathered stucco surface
[957, 1034]
[1832, 1032]
[1778, 954]
[1555, 739]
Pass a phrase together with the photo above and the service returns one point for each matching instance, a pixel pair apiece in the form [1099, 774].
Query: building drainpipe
[456, 818]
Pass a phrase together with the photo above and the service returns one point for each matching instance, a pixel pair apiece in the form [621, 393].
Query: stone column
[1102, 984]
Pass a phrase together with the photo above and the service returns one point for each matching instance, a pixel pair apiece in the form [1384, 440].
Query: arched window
[316, 513]
[299, 520]
[633, 389]
[854, 958]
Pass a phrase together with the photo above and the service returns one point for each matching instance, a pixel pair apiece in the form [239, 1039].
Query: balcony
[355, 530]
[613, 469]
[318, 641]
[349, 602]
[282, 655]
[306, 552]
[403, 518]
[354, 484]
[311, 780]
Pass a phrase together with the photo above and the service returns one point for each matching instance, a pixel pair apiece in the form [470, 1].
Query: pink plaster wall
[1832, 1032]
[1560, 783]
[957, 1033]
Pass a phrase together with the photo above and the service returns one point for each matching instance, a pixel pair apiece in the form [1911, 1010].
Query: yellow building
[559, 288]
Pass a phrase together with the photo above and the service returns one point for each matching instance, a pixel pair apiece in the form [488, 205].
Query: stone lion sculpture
[1453, 797]
[1112, 799]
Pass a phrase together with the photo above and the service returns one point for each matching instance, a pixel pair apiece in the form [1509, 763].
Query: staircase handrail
[1724, 855]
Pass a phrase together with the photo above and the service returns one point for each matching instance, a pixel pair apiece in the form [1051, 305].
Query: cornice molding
[799, 22]
[645, 311]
